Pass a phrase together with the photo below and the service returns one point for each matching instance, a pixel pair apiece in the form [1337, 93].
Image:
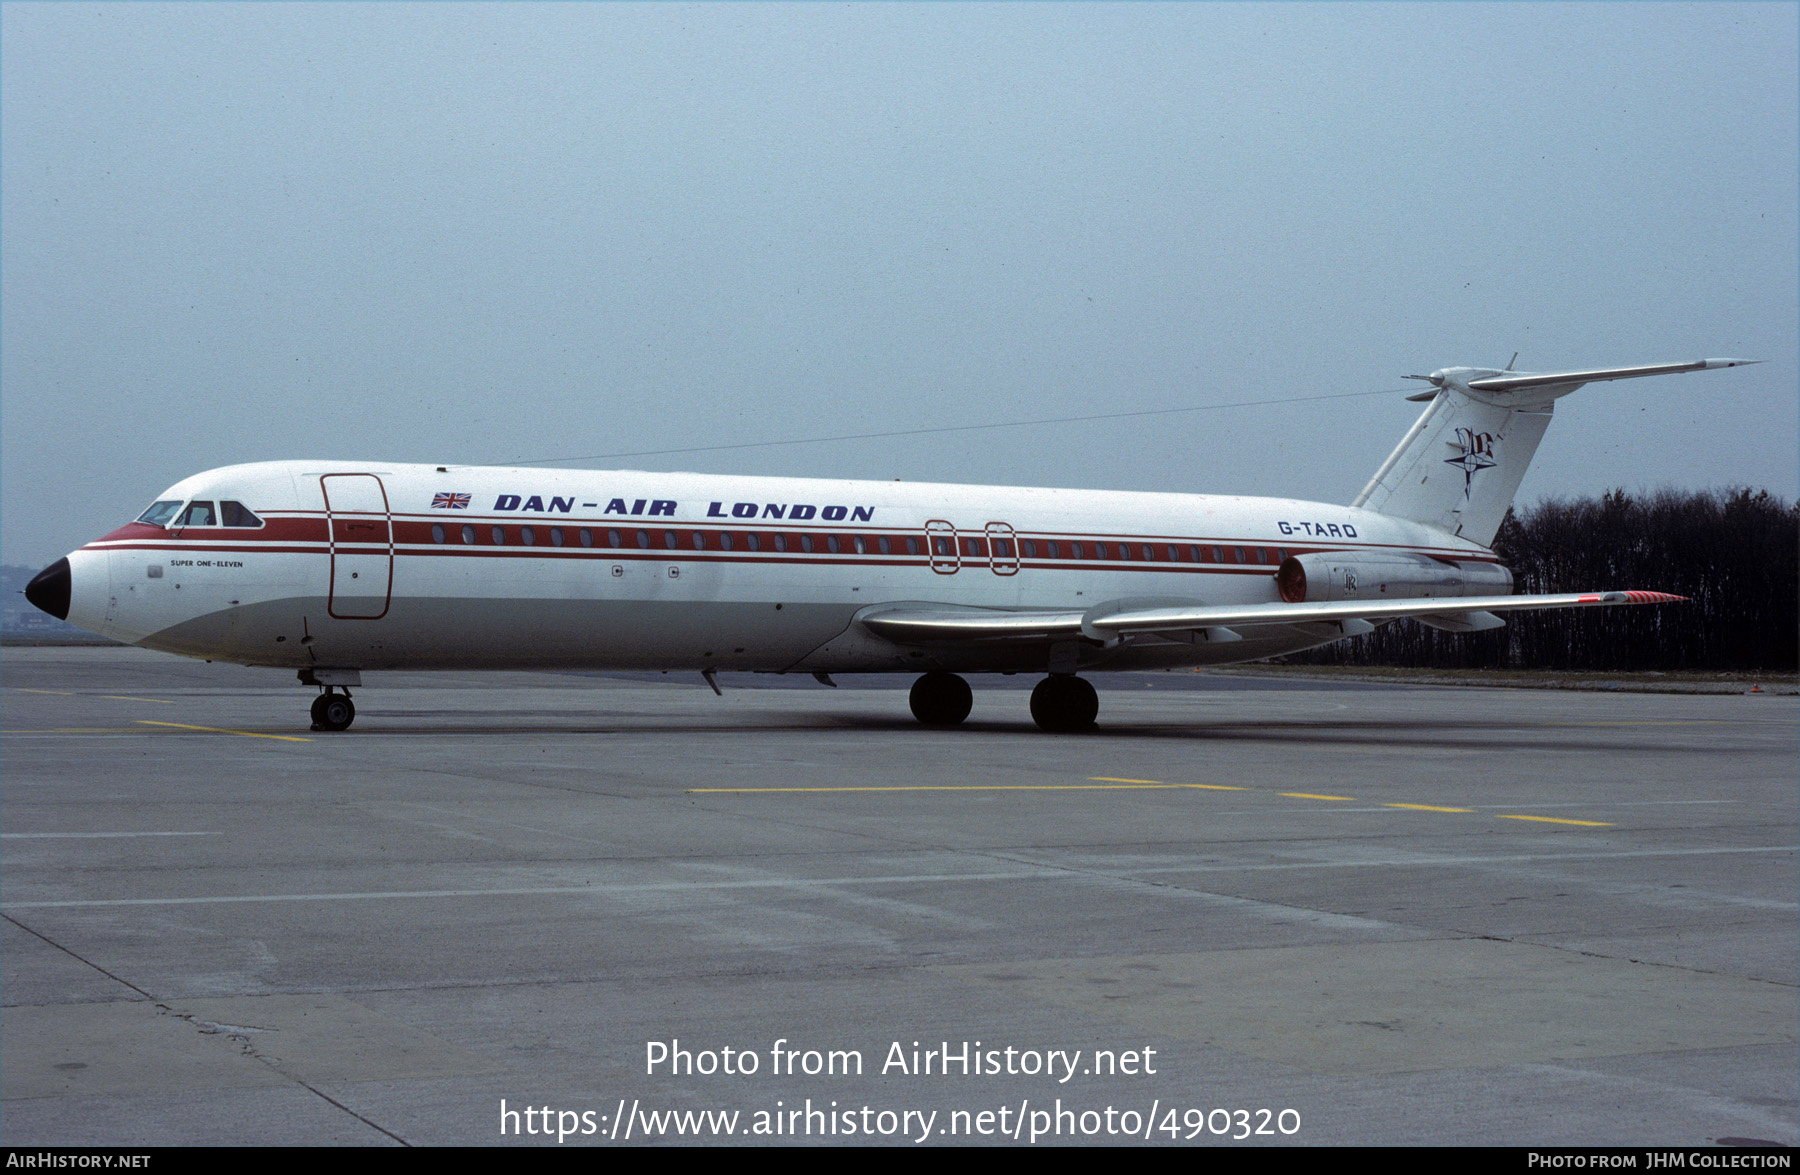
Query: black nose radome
[49, 589]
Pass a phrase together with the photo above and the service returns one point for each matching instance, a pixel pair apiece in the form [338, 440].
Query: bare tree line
[1734, 553]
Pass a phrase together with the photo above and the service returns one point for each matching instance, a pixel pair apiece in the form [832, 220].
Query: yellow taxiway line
[1160, 783]
[292, 738]
[1114, 783]
[952, 787]
[63, 693]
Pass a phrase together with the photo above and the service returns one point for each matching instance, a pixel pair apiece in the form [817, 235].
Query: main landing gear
[1064, 703]
[1061, 702]
[941, 699]
[333, 709]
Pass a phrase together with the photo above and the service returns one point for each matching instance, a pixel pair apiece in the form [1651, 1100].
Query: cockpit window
[160, 512]
[234, 514]
[198, 514]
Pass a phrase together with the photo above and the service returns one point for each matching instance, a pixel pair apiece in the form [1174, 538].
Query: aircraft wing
[947, 624]
[914, 624]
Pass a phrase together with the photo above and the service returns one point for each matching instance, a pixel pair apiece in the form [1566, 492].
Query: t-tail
[1460, 464]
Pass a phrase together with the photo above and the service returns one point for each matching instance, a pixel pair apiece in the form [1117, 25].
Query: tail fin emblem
[1477, 453]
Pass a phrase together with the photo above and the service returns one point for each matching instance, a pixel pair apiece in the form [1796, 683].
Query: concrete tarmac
[1236, 915]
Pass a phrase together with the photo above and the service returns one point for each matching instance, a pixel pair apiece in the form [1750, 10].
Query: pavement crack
[241, 1033]
[46, 939]
[1592, 954]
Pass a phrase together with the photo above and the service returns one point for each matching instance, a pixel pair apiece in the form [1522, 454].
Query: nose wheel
[941, 699]
[333, 710]
[1064, 704]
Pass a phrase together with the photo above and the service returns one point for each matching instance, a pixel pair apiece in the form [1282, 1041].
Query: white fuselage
[376, 566]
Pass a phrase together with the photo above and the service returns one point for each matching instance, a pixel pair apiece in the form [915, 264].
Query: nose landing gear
[333, 710]
[1063, 703]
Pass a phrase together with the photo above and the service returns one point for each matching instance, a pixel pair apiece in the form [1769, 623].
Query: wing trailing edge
[948, 624]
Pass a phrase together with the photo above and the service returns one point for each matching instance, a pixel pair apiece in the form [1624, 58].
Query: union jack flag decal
[450, 502]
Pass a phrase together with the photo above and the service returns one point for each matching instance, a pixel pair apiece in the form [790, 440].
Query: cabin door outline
[1000, 535]
[362, 546]
[941, 548]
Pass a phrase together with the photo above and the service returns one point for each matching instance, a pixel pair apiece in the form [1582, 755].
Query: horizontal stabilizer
[1508, 382]
[1460, 465]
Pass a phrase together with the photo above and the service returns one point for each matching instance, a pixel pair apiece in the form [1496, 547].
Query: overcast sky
[485, 233]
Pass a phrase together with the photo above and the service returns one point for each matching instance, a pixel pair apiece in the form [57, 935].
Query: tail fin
[1461, 463]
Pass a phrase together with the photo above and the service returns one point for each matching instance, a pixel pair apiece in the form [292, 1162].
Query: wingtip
[1635, 597]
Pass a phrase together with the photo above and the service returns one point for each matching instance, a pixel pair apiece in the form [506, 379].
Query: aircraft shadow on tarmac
[1473, 735]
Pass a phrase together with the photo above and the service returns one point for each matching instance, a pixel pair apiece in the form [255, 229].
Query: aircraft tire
[941, 699]
[1064, 704]
[333, 712]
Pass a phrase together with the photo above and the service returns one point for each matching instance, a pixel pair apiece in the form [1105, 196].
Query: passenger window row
[676, 540]
[840, 544]
[1148, 552]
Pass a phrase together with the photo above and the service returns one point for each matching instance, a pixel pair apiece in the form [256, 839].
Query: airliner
[333, 568]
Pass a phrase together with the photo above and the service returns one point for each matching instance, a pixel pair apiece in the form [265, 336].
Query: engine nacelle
[1325, 576]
